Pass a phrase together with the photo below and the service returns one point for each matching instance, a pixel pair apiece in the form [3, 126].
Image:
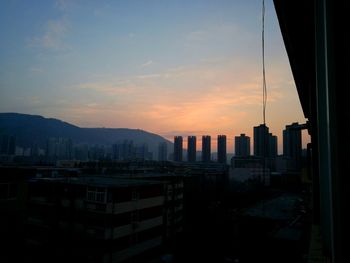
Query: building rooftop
[98, 181]
[280, 208]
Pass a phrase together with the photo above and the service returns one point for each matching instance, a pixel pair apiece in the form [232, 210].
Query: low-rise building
[101, 219]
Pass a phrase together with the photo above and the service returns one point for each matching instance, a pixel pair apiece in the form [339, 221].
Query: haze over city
[174, 131]
[168, 67]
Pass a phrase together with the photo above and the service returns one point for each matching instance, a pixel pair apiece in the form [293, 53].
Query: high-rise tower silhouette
[178, 148]
[191, 148]
[292, 144]
[222, 154]
[162, 151]
[261, 141]
[242, 145]
[206, 152]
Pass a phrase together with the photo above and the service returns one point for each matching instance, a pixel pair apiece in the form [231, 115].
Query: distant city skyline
[171, 68]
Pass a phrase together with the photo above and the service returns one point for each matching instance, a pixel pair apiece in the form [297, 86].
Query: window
[96, 194]
[134, 216]
[135, 195]
[8, 191]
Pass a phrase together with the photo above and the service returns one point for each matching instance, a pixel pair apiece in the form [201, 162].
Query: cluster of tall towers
[206, 149]
[265, 145]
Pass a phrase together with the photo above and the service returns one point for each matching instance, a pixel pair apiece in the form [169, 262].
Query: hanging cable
[264, 98]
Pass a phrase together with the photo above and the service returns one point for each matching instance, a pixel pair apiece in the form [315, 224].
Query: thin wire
[264, 98]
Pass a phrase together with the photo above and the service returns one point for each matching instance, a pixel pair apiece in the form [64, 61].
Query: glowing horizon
[175, 68]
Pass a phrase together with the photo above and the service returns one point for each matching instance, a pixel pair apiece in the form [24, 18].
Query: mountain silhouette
[35, 129]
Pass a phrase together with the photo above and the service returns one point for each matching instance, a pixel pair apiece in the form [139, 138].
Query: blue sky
[169, 67]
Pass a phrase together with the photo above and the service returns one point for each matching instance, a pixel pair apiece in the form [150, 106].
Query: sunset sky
[171, 67]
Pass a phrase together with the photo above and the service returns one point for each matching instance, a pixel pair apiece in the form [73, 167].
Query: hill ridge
[30, 129]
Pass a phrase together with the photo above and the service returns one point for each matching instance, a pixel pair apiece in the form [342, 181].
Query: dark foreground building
[94, 219]
[314, 33]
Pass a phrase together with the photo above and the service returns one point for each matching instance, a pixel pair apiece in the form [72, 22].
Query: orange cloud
[216, 97]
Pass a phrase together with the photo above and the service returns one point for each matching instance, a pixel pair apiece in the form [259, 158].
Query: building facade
[206, 150]
[178, 141]
[162, 151]
[97, 219]
[191, 148]
[222, 149]
[261, 141]
[292, 145]
[273, 142]
[242, 145]
[7, 144]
